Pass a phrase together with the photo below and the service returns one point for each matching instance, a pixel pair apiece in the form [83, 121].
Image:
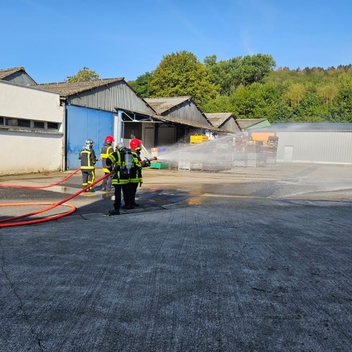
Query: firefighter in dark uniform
[136, 173]
[104, 153]
[119, 163]
[88, 159]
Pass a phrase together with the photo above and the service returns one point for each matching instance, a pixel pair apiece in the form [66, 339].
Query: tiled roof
[161, 105]
[70, 88]
[218, 118]
[9, 71]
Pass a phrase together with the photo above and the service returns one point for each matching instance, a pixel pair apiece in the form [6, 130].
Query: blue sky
[126, 38]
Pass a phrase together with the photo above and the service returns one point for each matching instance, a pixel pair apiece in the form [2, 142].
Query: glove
[140, 184]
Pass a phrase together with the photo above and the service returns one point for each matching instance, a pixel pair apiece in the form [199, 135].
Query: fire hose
[4, 222]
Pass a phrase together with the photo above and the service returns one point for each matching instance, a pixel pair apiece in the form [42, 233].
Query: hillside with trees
[252, 87]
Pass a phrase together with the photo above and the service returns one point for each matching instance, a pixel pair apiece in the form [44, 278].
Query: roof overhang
[137, 116]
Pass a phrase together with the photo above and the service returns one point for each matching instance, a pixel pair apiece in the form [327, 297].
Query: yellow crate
[198, 139]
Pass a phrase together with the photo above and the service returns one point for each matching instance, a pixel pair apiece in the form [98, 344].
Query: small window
[53, 126]
[18, 122]
[38, 124]
[1, 120]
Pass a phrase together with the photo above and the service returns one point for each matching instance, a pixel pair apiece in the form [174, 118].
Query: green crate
[159, 165]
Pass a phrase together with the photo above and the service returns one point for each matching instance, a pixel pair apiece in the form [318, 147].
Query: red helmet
[135, 143]
[109, 139]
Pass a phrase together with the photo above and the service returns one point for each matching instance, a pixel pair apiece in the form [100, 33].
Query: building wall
[29, 103]
[315, 147]
[29, 152]
[230, 125]
[40, 149]
[188, 112]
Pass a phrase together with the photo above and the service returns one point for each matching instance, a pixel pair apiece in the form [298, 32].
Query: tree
[142, 85]
[180, 74]
[254, 101]
[85, 74]
[294, 94]
[253, 69]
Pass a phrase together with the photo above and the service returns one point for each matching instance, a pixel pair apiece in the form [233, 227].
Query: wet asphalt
[238, 260]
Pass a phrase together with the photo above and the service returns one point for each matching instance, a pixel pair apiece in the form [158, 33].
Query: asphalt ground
[249, 259]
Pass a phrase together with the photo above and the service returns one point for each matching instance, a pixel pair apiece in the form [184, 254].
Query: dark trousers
[88, 177]
[132, 192]
[118, 189]
[126, 194]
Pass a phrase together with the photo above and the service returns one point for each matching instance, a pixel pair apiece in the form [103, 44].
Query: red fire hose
[53, 184]
[4, 222]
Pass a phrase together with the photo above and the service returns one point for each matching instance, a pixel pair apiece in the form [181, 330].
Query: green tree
[254, 101]
[85, 74]
[230, 74]
[142, 85]
[180, 74]
[294, 94]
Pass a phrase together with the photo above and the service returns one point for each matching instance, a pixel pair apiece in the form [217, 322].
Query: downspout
[120, 126]
[64, 137]
[156, 134]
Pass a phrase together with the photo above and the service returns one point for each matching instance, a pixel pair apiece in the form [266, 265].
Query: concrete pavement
[243, 260]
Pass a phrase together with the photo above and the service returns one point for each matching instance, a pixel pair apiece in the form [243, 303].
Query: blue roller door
[83, 123]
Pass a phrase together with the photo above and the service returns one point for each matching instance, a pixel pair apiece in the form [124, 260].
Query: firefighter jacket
[116, 162]
[87, 158]
[136, 170]
[104, 153]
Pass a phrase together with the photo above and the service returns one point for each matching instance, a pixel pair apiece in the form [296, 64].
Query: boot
[114, 212]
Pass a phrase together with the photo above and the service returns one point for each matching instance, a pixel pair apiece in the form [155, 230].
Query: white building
[31, 129]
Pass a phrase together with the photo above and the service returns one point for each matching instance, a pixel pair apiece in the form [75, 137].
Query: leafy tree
[85, 74]
[229, 74]
[255, 68]
[294, 94]
[180, 74]
[254, 101]
[142, 85]
[221, 103]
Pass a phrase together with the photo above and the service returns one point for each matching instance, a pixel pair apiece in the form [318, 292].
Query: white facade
[315, 147]
[31, 130]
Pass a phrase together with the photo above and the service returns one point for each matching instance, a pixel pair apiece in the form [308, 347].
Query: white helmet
[89, 142]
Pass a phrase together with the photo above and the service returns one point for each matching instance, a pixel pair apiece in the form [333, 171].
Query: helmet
[89, 142]
[109, 139]
[135, 143]
[120, 146]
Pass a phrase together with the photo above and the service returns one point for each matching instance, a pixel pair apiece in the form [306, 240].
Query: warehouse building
[313, 142]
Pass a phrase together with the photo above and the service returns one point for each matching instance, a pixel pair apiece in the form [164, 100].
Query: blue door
[83, 123]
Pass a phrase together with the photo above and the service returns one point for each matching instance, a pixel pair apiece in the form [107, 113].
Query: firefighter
[119, 162]
[136, 174]
[104, 152]
[88, 160]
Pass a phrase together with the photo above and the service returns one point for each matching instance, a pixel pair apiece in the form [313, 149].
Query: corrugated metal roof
[188, 123]
[70, 88]
[9, 71]
[162, 105]
[310, 127]
[178, 121]
[246, 123]
[218, 118]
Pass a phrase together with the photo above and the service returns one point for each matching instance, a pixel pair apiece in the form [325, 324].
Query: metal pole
[120, 126]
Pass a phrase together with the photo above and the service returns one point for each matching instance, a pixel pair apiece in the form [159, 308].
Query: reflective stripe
[86, 163]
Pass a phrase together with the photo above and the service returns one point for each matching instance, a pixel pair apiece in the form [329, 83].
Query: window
[31, 124]
[53, 126]
[38, 124]
[18, 122]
